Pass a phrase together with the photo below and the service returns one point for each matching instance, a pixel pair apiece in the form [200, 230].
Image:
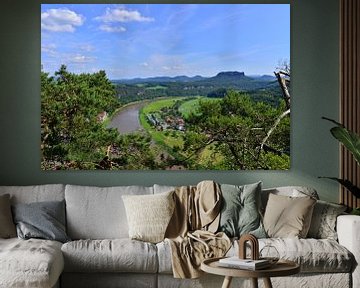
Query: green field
[157, 87]
[190, 106]
[156, 105]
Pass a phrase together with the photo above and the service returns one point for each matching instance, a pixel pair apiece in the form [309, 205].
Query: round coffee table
[281, 268]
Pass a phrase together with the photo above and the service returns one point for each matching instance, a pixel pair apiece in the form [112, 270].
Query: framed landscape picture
[165, 86]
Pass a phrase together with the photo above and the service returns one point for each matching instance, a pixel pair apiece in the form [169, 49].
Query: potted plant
[351, 141]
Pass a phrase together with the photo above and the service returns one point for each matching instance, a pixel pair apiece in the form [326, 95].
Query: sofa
[100, 253]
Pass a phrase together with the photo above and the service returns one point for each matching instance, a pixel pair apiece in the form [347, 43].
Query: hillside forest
[226, 122]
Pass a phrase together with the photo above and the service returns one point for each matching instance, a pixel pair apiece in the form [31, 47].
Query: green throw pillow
[240, 213]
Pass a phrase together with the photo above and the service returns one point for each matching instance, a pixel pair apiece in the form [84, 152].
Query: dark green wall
[315, 73]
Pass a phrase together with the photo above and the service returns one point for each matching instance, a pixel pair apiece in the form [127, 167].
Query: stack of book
[248, 264]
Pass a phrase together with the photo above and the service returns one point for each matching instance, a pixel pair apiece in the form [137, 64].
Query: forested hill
[129, 90]
[238, 80]
[160, 79]
[228, 77]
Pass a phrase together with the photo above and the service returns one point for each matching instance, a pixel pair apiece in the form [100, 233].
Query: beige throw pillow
[7, 226]
[288, 217]
[149, 215]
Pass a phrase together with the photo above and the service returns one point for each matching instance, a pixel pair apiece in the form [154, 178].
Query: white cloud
[86, 47]
[172, 65]
[120, 14]
[61, 20]
[167, 61]
[173, 68]
[49, 49]
[79, 59]
[112, 29]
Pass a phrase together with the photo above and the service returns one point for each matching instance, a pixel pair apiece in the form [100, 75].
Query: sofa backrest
[35, 193]
[98, 212]
[293, 191]
[162, 188]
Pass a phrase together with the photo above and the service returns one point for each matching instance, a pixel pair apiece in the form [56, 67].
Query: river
[127, 119]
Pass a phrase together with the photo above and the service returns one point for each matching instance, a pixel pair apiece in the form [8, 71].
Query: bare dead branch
[282, 82]
[284, 73]
[276, 123]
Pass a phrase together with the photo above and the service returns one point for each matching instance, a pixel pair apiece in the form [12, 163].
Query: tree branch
[268, 134]
[282, 82]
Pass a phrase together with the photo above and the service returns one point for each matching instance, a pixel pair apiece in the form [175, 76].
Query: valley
[164, 123]
[169, 110]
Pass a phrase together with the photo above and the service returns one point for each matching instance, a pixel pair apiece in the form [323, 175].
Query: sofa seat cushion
[115, 255]
[313, 255]
[30, 263]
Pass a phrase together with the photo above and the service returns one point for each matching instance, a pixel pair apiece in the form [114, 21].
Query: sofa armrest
[348, 230]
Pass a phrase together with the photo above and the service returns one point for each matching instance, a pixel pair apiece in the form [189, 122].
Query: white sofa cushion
[163, 188]
[98, 213]
[116, 255]
[313, 255]
[36, 193]
[348, 229]
[164, 257]
[30, 263]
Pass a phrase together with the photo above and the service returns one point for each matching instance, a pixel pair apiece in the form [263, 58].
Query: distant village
[169, 122]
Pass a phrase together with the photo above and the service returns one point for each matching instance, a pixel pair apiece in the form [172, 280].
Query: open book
[236, 262]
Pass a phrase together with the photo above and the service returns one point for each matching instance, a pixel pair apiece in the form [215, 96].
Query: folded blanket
[191, 231]
[190, 251]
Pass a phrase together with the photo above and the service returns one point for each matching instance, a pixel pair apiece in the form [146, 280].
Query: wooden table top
[281, 268]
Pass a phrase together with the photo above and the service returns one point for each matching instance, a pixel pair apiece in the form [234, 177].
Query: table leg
[254, 282]
[227, 282]
[267, 283]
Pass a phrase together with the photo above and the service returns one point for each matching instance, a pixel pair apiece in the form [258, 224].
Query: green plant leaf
[355, 211]
[333, 121]
[347, 184]
[348, 138]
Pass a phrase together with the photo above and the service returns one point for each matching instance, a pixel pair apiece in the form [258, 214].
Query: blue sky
[145, 40]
